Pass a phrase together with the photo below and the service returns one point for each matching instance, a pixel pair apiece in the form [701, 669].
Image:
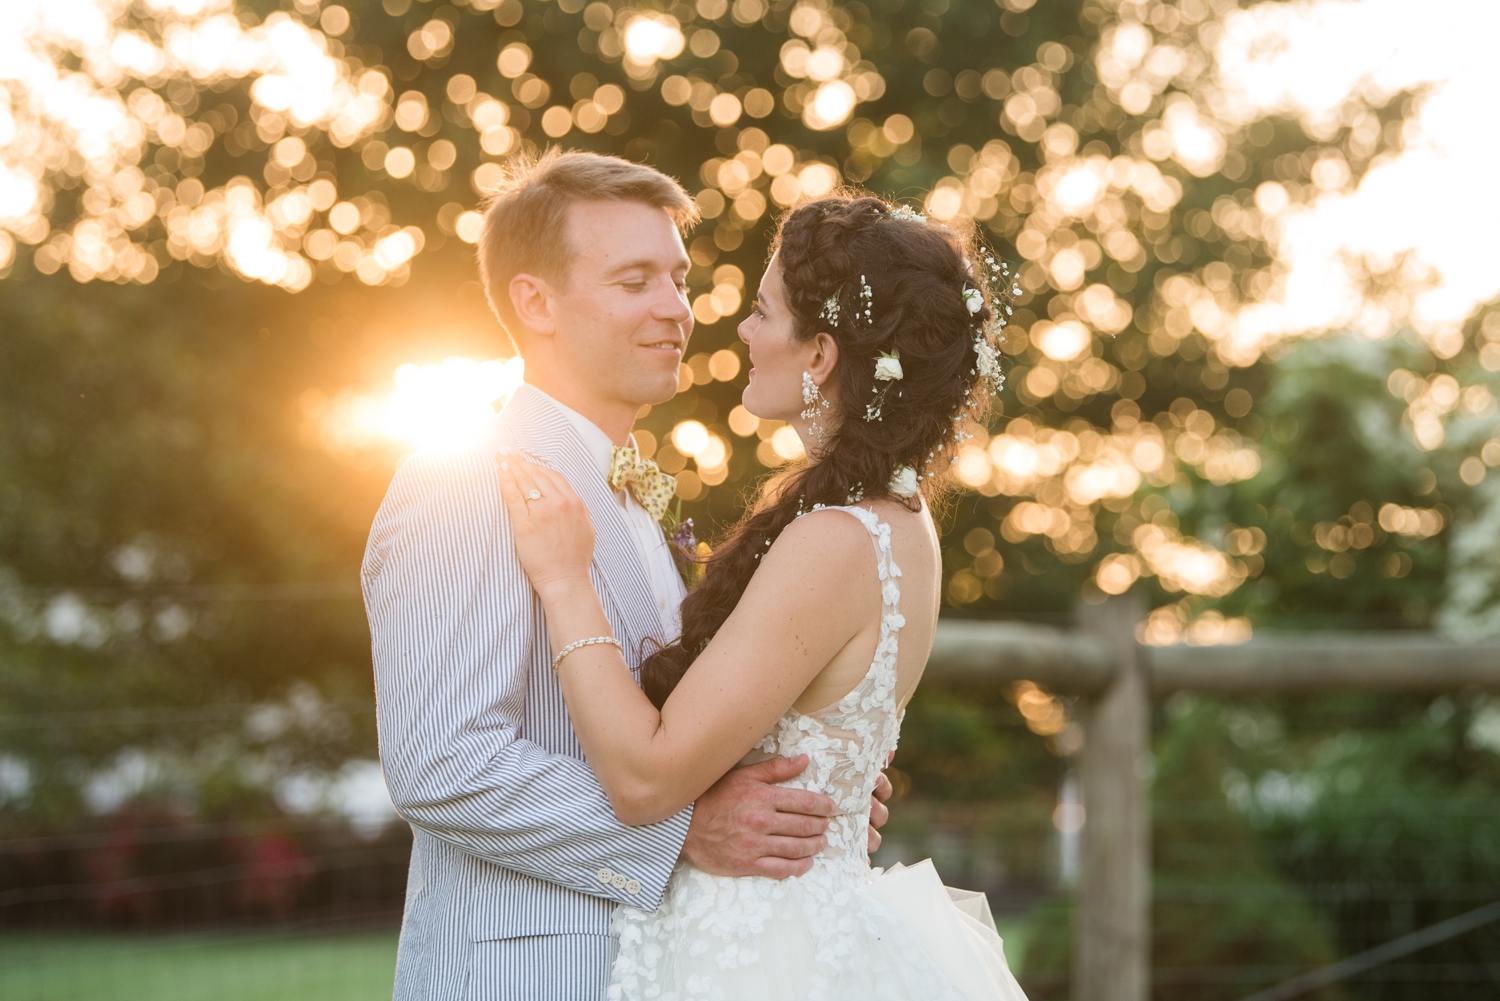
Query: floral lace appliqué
[819, 929]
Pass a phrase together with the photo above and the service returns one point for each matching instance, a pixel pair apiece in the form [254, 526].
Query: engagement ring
[534, 495]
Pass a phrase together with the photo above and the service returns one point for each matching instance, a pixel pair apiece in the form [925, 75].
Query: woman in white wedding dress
[873, 336]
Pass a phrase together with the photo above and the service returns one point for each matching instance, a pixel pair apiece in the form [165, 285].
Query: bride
[871, 335]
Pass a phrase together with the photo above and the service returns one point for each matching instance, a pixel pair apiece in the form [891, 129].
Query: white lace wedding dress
[843, 930]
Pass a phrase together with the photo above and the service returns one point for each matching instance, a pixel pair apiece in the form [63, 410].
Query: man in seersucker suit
[518, 860]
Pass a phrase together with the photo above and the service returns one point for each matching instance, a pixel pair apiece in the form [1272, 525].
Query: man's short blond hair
[525, 222]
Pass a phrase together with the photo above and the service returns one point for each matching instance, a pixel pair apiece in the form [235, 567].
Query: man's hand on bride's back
[879, 812]
[746, 825]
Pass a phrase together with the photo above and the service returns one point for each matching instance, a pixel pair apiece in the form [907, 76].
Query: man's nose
[674, 305]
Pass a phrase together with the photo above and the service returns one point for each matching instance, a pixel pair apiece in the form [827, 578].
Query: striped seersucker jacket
[514, 838]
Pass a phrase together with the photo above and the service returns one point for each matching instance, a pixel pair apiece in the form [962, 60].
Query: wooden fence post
[1112, 912]
[1114, 679]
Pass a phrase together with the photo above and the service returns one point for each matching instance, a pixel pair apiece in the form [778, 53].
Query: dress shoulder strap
[885, 563]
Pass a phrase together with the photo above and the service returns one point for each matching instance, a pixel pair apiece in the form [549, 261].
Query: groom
[518, 861]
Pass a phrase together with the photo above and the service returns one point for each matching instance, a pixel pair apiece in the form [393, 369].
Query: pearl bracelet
[579, 644]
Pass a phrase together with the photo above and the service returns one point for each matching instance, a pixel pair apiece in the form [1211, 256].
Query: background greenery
[180, 632]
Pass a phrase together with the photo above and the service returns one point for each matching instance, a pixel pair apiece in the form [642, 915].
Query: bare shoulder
[816, 548]
[825, 533]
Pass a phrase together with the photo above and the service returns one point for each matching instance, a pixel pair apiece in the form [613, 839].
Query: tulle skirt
[835, 934]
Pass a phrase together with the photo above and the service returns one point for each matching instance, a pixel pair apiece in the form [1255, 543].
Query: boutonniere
[687, 552]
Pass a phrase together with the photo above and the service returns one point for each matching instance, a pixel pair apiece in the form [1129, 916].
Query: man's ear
[531, 298]
[825, 358]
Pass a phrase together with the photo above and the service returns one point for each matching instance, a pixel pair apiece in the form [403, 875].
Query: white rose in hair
[888, 367]
[973, 299]
[904, 482]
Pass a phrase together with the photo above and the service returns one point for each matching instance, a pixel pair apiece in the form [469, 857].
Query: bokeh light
[92, 125]
[1145, 217]
[649, 37]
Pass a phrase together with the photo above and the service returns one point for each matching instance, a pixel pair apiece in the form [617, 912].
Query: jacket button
[618, 882]
[633, 887]
[605, 875]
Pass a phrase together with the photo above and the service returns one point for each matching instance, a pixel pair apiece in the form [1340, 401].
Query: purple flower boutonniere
[687, 552]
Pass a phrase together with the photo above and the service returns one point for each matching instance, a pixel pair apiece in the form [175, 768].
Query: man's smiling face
[622, 316]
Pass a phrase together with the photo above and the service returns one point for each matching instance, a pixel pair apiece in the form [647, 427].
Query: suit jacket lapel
[624, 588]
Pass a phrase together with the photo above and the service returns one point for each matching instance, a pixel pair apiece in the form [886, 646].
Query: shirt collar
[599, 445]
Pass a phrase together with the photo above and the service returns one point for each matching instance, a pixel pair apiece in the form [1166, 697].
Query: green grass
[266, 966]
[278, 966]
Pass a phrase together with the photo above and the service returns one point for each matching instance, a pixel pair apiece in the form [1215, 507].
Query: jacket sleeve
[455, 635]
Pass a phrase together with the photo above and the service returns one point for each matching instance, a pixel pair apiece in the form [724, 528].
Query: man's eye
[634, 286]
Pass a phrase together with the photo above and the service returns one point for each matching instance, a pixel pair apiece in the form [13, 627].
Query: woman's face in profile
[777, 358]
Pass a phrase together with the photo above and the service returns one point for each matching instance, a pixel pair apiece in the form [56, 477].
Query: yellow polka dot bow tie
[651, 487]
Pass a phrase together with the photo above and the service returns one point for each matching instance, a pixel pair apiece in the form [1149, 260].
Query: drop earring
[813, 397]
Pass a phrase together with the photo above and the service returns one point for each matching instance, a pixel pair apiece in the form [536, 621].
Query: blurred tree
[167, 541]
[1125, 149]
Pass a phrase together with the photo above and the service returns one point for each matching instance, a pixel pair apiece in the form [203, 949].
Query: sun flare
[427, 406]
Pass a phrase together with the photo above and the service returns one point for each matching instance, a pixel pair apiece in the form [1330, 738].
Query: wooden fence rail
[1115, 678]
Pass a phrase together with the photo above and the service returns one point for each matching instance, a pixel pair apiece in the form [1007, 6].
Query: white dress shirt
[650, 543]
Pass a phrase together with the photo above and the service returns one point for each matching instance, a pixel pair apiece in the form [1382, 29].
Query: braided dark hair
[917, 273]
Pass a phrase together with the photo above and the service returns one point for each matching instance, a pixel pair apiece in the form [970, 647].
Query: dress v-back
[822, 936]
